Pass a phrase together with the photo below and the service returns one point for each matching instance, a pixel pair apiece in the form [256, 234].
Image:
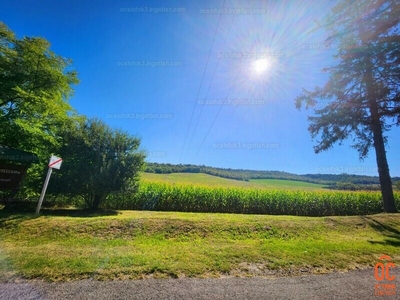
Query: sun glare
[261, 66]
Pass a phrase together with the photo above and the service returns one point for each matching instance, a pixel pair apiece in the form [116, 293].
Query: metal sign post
[55, 162]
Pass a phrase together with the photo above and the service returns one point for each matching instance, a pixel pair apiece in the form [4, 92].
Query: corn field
[161, 196]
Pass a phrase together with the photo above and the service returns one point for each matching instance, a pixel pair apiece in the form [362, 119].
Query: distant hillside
[214, 181]
[341, 181]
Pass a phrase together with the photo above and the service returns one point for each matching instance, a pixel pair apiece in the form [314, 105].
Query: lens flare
[261, 66]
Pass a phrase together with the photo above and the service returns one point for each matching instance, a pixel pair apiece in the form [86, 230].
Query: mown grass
[131, 244]
[286, 184]
[214, 181]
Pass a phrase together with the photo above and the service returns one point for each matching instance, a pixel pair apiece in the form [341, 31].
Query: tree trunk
[96, 202]
[385, 180]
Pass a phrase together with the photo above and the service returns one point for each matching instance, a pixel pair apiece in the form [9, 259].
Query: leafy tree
[35, 85]
[397, 185]
[362, 95]
[97, 161]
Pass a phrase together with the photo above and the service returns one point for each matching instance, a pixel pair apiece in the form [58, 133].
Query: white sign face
[55, 162]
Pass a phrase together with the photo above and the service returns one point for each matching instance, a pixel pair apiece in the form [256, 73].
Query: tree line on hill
[331, 181]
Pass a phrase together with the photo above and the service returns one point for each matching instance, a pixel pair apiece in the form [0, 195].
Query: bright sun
[261, 66]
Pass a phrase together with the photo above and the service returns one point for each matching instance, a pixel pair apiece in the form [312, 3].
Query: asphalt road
[358, 284]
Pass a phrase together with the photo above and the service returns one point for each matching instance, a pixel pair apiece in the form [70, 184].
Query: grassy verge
[132, 244]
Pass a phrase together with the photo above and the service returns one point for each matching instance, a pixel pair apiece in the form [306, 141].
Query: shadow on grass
[6, 217]
[82, 213]
[392, 234]
[14, 214]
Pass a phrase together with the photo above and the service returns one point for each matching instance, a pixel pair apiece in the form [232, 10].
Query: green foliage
[35, 85]
[361, 99]
[367, 34]
[97, 161]
[354, 187]
[190, 198]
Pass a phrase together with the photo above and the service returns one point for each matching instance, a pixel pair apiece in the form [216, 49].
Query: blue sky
[185, 81]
